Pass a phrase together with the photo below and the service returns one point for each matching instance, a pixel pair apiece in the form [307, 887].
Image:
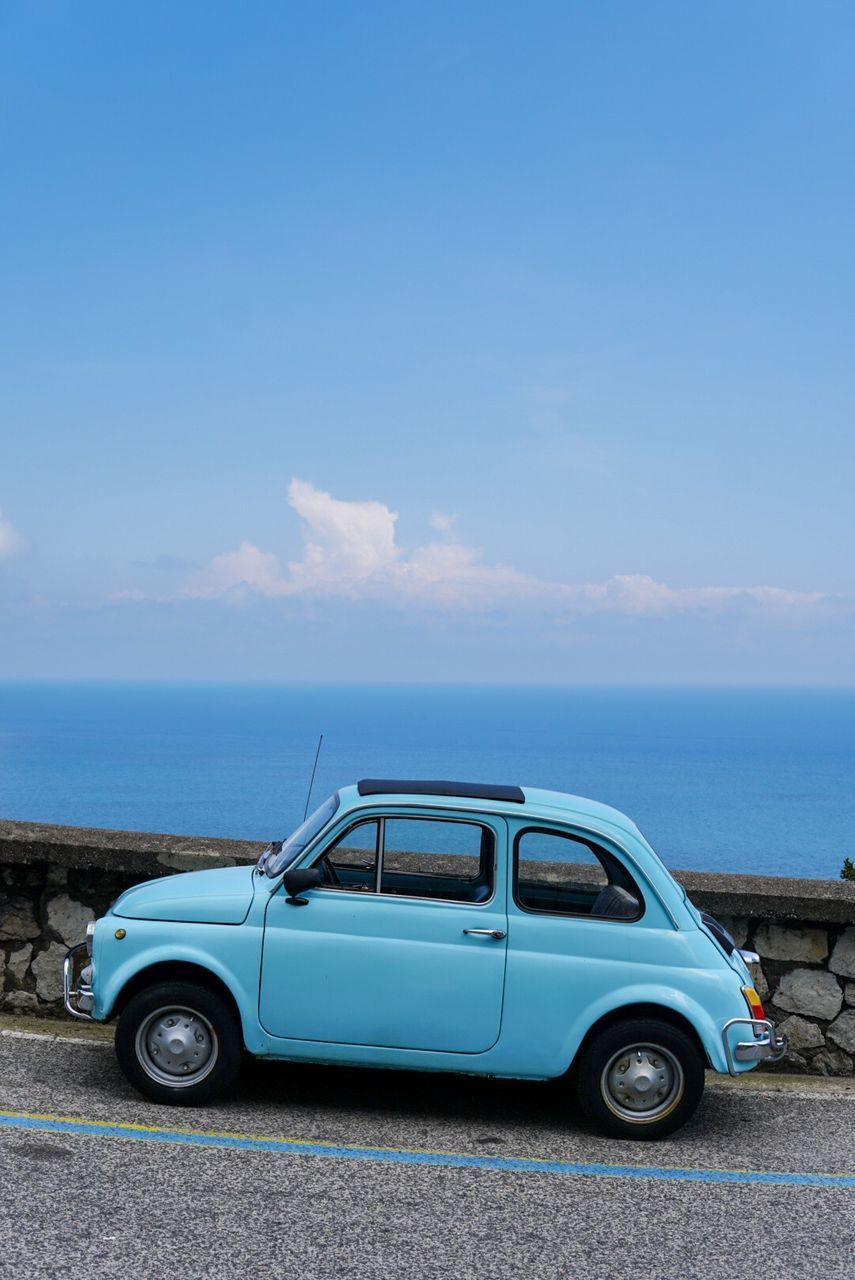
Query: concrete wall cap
[25, 843]
[767, 897]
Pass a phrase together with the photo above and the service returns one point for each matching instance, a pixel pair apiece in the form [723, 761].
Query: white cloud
[130, 593]
[350, 551]
[346, 542]
[639, 594]
[11, 542]
[442, 521]
[248, 568]
[448, 574]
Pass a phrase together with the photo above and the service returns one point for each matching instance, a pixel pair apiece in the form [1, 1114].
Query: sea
[750, 780]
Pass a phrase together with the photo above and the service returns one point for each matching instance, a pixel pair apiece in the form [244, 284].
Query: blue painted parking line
[394, 1155]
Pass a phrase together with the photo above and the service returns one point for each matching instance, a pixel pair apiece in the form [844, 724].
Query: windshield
[295, 844]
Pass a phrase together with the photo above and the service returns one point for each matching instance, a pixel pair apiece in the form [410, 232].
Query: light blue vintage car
[433, 926]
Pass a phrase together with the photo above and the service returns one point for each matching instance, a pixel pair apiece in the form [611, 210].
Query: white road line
[54, 1038]
[805, 1095]
[809, 1088]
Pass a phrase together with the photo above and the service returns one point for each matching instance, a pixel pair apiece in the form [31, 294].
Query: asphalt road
[332, 1172]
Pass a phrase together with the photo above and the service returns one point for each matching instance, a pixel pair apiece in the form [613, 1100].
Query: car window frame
[590, 842]
[274, 871]
[325, 852]
[475, 820]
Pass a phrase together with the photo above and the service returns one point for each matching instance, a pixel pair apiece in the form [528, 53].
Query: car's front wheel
[178, 1043]
[642, 1078]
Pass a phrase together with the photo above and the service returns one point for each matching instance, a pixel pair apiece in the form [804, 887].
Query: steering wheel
[329, 872]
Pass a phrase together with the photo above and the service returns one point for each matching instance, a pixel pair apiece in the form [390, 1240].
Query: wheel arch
[175, 971]
[643, 1009]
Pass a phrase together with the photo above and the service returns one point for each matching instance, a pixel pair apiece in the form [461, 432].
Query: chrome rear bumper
[76, 989]
[766, 1046]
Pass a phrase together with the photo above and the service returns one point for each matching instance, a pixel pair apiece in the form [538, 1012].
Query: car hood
[219, 896]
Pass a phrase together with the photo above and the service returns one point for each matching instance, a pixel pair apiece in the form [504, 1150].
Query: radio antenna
[312, 779]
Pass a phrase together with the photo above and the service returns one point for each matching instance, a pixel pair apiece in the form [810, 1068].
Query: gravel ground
[103, 1205]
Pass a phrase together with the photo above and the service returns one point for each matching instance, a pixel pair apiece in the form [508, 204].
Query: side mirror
[299, 879]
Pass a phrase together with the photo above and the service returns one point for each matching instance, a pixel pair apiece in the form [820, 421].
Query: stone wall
[804, 934]
[53, 880]
[806, 980]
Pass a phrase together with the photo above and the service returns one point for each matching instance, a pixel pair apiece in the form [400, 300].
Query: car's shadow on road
[375, 1106]
[494, 1111]
[403, 1094]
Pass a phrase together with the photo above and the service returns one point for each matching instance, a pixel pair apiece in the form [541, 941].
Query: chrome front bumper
[766, 1045]
[76, 983]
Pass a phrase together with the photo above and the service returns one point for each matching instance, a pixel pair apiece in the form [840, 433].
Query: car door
[403, 946]
[578, 923]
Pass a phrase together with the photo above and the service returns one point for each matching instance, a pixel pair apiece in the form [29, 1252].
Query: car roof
[535, 802]
[414, 787]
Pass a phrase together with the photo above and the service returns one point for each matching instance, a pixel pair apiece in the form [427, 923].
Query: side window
[430, 858]
[351, 863]
[564, 875]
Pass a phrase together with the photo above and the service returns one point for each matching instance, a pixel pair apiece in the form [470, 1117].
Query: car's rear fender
[649, 1001]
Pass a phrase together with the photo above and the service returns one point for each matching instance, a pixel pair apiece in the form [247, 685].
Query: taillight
[755, 1004]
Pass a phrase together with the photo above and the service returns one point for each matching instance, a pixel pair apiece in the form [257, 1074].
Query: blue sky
[566, 288]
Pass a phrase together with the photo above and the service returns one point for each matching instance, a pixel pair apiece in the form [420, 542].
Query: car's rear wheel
[642, 1078]
[178, 1043]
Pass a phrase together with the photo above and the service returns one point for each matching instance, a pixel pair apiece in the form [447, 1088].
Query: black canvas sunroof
[471, 790]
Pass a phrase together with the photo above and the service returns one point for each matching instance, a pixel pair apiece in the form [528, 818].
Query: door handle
[496, 934]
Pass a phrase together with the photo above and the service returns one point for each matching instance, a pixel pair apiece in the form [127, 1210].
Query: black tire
[194, 1065]
[660, 1067]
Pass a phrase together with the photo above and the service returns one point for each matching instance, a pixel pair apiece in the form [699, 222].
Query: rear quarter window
[556, 873]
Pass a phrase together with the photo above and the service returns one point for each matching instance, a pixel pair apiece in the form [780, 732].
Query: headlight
[90, 933]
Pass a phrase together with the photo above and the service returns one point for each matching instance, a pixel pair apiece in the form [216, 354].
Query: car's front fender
[231, 953]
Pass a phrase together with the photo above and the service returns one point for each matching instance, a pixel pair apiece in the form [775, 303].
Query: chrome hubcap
[177, 1047]
[642, 1083]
